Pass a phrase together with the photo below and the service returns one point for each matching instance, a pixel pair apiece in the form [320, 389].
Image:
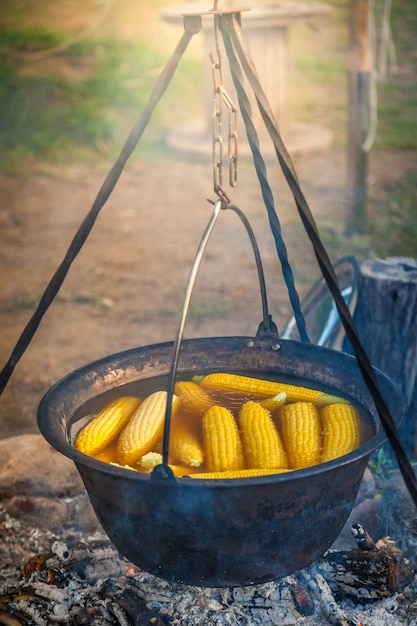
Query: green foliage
[393, 222]
[72, 104]
[397, 92]
[383, 465]
[339, 245]
[28, 41]
[397, 114]
[392, 225]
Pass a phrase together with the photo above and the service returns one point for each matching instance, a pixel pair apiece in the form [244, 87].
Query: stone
[31, 467]
[81, 514]
[368, 514]
[366, 488]
[366, 511]
[40, 512]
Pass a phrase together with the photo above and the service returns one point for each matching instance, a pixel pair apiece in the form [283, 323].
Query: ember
[77, 576]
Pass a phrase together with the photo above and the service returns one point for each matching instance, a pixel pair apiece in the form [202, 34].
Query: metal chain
[220, 98]
[217, 137]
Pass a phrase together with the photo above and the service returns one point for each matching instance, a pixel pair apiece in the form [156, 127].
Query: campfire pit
[218, 533]
[75, 576]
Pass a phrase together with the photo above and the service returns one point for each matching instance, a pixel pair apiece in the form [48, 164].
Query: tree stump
[367, 575]
[386, 319]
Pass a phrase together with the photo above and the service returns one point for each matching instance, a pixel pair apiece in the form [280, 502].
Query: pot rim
[60, 440]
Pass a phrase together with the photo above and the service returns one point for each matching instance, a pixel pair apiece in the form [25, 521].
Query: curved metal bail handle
[266, 326]
[180, 332]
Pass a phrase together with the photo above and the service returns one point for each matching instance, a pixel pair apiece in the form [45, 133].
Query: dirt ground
[126, 287]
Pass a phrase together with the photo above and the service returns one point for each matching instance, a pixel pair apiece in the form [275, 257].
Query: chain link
[232, 143]
[221, 98]
[217, 124]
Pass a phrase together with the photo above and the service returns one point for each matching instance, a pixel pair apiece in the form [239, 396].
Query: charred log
[371, 572]
[301, 596]
[91, 584]
[7, 618]
[137, 610]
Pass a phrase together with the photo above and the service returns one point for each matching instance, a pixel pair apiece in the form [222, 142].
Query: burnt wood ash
[80, 578]
[57, 566]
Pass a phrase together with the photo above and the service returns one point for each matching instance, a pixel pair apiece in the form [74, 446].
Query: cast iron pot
[223, 532]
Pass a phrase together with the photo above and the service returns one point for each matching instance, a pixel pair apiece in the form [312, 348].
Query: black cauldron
[224, 532]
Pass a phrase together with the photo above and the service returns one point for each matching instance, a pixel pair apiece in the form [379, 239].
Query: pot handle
[267, 326]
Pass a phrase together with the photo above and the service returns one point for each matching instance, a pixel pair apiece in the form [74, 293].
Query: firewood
[6, 618]
[137, 610]
[302, 599]
[371, 572]
[330, 610]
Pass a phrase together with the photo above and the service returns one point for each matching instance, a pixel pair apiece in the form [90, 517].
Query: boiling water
[144, 387]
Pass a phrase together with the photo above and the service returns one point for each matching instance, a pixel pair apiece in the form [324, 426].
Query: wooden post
[359, 113]
[266, 29]
[386, 319]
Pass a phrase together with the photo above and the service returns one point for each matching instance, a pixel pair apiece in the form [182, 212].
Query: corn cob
[193, 397]
[275, 402]
[261, 441]
[129, 467]
[152, 459]
[222, 444]
[260, 388]
[144, 428]
[181, 470]
[185, 446]
[300, 427]
[106, 425]
[340, 424]
[244, 473]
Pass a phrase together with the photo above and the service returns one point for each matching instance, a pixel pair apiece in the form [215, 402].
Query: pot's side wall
[226, 532]
[224, 535]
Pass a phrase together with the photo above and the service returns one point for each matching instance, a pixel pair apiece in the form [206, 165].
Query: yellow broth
[190, 419]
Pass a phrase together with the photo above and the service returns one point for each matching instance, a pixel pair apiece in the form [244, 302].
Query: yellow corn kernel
[244, 473]
[275, 402]
[222, 444]
[144, 428]
[260, 388]
[341, 432]
[262, 444]
[152, 459]
[128, 467]
[193, 397]
[106, 425]
[185, 446]
[300, 428]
